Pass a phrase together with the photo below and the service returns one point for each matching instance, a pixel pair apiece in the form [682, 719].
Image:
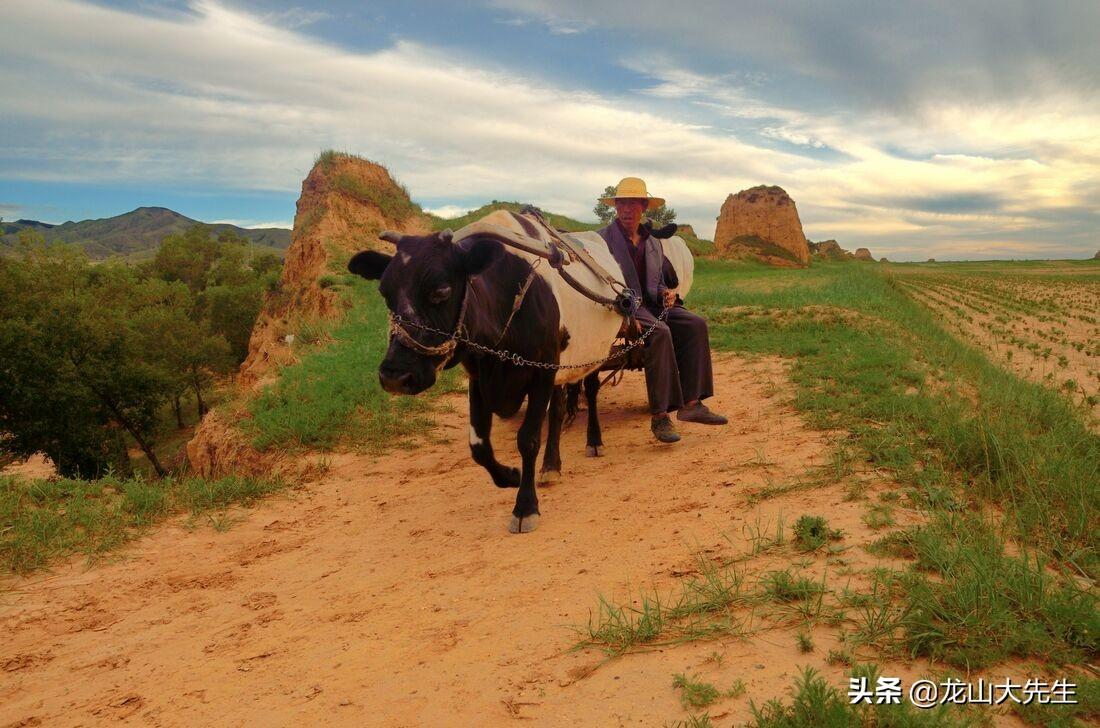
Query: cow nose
[395, 381]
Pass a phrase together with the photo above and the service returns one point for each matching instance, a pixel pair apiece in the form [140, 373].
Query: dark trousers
[677, 359]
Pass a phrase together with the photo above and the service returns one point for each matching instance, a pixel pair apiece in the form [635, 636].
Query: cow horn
[390, 236]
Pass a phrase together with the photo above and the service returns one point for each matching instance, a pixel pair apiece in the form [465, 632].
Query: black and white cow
[432, 278]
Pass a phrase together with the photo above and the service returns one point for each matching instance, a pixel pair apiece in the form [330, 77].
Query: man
[678, 371]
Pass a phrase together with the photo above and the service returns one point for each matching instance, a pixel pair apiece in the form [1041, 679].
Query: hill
[133, 233]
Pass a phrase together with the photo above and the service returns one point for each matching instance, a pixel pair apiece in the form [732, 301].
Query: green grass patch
[783, 586]
[393, 202]
[813, 532]
[333, 396]
[1086, 711]
[817, 704]
[972, 605]
[45, 520]
[875, 372]
[694, 693]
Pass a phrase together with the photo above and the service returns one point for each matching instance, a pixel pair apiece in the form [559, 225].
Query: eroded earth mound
[762, 223]
[346, 202]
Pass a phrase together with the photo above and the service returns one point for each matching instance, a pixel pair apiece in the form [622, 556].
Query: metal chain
[516, 359]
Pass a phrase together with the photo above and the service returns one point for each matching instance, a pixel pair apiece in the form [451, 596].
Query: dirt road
[390, 593]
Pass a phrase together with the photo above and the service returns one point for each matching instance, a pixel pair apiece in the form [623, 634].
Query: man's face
[630, 212]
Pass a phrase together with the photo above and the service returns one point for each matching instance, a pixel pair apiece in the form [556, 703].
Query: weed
[805, 642]
[716, 588]
[816, 704]
[44, 520]
[984, 606]
[759, 538]
[813, 532]
[879, 515]
[695, 693]
[619, 629]
[694, 721]
[782, 586]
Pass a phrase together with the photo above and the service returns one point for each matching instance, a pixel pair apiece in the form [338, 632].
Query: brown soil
[36, 466]
[389, 592]
[1081, 365]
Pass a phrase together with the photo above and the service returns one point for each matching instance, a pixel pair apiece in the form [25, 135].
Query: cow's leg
[573, 393]
[591, 391]
[525, 515]
[481, 447]
[551, 462]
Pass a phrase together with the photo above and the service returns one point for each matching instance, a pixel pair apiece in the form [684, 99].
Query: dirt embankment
[345, 202]
[389, 593]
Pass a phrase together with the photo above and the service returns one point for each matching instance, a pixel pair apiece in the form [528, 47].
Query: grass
[1086, 711]
[45, 520]
[817, 704]
[694, 693]
[986, 606]
[332, 394]
[1017, 447]
[812, 533]
[1004, 469]
[782, 586]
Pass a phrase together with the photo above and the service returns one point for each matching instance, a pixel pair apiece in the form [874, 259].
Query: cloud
[448, 211]
[254, 225]
[875, 54]
[296, 17]
[219, 98]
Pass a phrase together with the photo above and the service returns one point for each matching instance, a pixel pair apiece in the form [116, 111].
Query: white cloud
[448, 211]
[254, 225]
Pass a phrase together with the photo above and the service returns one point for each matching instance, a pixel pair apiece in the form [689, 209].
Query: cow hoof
[524, 525]
[509, 478]
[549, 477]
[592, 451]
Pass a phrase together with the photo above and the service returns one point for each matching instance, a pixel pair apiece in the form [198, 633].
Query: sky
[954, 130]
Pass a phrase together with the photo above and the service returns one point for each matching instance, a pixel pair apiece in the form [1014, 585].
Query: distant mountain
[133, 234]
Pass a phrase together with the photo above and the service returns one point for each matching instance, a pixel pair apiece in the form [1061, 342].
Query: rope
[455, 338]
[519, 301]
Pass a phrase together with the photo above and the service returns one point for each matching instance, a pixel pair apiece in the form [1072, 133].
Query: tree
[265, 263]
[231, 311]
[185, 348]
[660, 216]
[74, 369]
[227, 284]
[186, 257]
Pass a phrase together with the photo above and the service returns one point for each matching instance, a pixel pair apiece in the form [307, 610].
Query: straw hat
[633, 188]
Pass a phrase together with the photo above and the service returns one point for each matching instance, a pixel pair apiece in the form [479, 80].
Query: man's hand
[670, 298]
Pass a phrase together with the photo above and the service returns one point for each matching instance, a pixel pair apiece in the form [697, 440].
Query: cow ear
[445, 236]
[481, 253]
[369, 263]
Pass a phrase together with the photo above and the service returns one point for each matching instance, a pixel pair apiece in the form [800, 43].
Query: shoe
[663, 429]
[699, 412]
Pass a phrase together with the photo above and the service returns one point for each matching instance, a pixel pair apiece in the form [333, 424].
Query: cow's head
[424, 283]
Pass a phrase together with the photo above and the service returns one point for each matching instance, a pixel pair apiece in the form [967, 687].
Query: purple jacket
[653, 288]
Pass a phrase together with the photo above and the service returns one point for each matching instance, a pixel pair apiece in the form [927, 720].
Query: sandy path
[390, 593]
